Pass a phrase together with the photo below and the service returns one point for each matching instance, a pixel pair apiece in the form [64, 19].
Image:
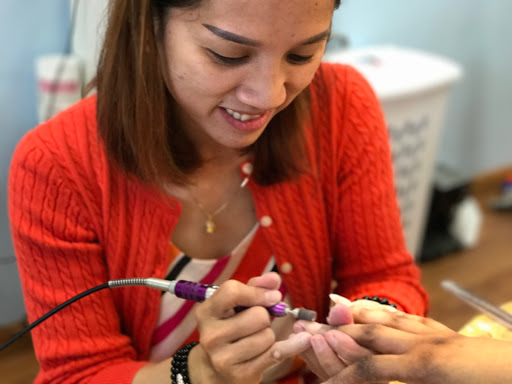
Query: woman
[217, 149]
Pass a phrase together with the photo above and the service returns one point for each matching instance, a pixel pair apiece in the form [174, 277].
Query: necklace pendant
[209, 226]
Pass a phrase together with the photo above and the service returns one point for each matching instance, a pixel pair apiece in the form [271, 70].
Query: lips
[245, 121]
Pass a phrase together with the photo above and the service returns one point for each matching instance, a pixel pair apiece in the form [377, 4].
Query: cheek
[199, 80]
[300, 79]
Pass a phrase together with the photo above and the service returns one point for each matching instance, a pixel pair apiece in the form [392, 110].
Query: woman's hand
[417, 350]
[238, 347]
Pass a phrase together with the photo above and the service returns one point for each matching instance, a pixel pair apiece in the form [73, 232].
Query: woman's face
[231, 65]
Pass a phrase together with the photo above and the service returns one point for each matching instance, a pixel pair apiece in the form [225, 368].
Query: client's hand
[416, 350]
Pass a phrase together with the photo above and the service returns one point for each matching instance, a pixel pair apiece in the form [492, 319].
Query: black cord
[53, 312]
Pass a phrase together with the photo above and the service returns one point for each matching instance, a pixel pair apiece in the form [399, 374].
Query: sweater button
[266, 221]
[286, 268]
[247, 168]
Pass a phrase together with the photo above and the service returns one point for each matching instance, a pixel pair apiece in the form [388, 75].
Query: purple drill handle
[198, 292]
[191, 291]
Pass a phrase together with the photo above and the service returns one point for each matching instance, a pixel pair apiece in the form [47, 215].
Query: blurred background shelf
[485, 269]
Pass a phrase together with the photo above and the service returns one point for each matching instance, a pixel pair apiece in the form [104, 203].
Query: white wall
[477, 133]
[28, 28]
[89, 29]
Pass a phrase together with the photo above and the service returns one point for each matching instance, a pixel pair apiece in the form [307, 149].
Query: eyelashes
[299, 59]
[225, 60]
[234, 61]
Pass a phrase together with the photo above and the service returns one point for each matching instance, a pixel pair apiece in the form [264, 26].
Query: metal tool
[480, 304]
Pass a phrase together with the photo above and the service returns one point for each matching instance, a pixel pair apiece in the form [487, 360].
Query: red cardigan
[77, 223]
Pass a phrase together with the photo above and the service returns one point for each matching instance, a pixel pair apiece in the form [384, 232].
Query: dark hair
[134, 114]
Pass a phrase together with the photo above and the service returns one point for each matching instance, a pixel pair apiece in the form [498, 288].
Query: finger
[236, 360]
[215, 333]
[311, 326]
[294, 345]
[311, 360]
[270, 280]
[380, 338]
[337, 299]
[345, 347]
[248, 348]
[340, 314]
[232, 294]
[398, 320]
[328, 359]
[279, 351]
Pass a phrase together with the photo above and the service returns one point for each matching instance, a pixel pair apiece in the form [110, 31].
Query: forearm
[484, 361]
[156, 373]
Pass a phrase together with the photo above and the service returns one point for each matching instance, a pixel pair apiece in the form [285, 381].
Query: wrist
[378, 299]
[200, 369]
[179, 365]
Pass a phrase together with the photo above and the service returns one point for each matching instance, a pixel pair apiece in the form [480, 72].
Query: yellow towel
[484, 326]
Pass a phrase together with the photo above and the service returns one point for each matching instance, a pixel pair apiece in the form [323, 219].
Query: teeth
[241, 117]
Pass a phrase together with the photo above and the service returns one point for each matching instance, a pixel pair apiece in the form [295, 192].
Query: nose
[264, 87]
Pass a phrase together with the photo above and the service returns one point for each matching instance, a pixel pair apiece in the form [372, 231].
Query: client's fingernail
[337, 299]
[273, 297]
[298, 327]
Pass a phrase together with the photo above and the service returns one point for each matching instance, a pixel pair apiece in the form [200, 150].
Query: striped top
[176, 322]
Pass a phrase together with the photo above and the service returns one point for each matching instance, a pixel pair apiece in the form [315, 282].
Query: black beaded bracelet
[380, 300]
[179, 365]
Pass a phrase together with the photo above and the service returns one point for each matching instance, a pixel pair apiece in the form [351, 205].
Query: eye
[225, 60]
[299, 59]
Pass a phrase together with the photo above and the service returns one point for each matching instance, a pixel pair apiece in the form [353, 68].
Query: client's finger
[328, 359]
[310, 358]
[398, 320]
[345, 347]
[340, 314]
[379, 338]
[311, 326]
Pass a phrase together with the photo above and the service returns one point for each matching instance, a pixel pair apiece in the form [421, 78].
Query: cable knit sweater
[77, 222]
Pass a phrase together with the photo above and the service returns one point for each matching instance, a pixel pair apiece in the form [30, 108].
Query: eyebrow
[230, 36]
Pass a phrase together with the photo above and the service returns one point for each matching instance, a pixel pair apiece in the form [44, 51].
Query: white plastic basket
[412, 88]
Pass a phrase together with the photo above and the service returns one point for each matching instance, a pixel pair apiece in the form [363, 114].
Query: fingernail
[273, 297]
[298, 327]
[337, 299]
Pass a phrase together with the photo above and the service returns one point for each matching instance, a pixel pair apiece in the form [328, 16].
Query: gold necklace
[209, 224]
